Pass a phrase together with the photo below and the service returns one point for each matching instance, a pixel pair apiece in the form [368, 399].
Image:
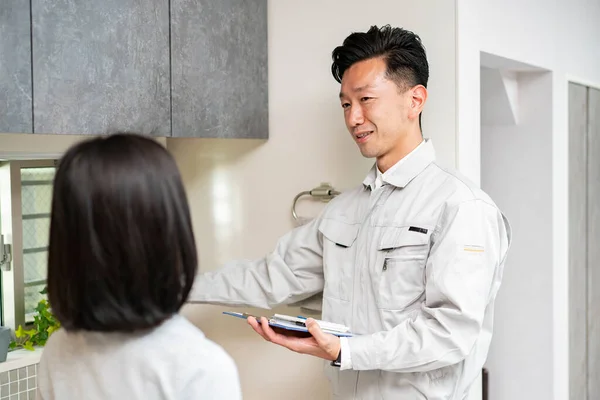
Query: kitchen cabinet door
[101, 66]
[219, 68]
[15, 67]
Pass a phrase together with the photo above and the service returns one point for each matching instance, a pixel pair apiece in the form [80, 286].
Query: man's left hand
[320, 344]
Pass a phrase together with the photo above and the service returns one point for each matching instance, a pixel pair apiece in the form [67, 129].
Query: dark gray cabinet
[15, 67]
[181, 68]
[100, 66]
[219, 68]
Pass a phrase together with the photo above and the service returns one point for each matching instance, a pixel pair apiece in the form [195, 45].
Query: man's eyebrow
[357, 89]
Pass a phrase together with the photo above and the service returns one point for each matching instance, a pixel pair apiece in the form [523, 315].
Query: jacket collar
[410, 166]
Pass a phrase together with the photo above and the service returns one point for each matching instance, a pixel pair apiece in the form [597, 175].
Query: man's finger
[289, 342]
[316, 332]
[254, 323]
[327, 342]
[270, 334]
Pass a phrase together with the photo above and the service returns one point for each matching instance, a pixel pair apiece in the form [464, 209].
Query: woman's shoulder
[56, 341]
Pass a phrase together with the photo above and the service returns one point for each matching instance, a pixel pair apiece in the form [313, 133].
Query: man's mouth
[361, 137]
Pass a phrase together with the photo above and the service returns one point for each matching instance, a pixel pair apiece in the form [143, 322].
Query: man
[411, 260]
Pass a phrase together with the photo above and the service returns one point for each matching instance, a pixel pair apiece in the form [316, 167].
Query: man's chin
[367, 154]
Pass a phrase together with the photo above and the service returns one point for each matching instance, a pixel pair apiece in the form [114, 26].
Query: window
[25, 203]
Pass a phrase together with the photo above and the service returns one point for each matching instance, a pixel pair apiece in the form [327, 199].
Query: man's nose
[356, 116]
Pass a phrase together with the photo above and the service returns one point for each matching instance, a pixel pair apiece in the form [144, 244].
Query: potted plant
[44, 324]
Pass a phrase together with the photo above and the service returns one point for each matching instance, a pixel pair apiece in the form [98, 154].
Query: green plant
[44, 324]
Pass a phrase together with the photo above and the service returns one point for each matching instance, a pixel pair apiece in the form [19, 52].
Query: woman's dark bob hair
[122, 253]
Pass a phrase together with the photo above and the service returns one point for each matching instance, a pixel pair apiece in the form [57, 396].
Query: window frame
[13, 278]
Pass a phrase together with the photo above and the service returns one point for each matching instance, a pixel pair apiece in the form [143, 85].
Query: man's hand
[320, 344]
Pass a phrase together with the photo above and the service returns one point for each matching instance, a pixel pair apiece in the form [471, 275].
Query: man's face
[378, 114]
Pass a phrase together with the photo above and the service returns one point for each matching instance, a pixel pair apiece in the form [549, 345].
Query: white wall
[556, 35]
[241, 191]
[516, 171]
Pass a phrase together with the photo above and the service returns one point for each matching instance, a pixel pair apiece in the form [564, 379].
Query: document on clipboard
[297, 323]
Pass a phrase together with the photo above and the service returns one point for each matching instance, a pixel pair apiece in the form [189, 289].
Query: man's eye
[345, 105]
[365, 98]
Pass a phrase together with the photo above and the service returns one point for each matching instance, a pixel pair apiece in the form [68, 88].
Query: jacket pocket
[402, 271]
[339, 253]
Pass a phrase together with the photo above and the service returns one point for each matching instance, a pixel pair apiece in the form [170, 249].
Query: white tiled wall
[19, 384]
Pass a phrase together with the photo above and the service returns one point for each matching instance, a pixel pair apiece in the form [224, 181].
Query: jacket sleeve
[463, 274]
[293, 272]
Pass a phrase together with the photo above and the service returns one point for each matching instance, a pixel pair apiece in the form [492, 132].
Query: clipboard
[295, 323]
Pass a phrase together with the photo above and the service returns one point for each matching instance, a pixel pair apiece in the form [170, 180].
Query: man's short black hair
[402, 51]
[122, 253]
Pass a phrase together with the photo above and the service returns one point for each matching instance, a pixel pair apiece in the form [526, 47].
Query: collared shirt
[414, 272]
[380, 179]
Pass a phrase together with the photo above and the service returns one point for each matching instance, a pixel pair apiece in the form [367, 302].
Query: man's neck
[390, 159]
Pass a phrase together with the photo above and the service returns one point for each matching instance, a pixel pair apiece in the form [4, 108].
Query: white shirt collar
[379, 179]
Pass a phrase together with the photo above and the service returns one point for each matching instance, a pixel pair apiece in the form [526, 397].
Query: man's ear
[417, 101]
